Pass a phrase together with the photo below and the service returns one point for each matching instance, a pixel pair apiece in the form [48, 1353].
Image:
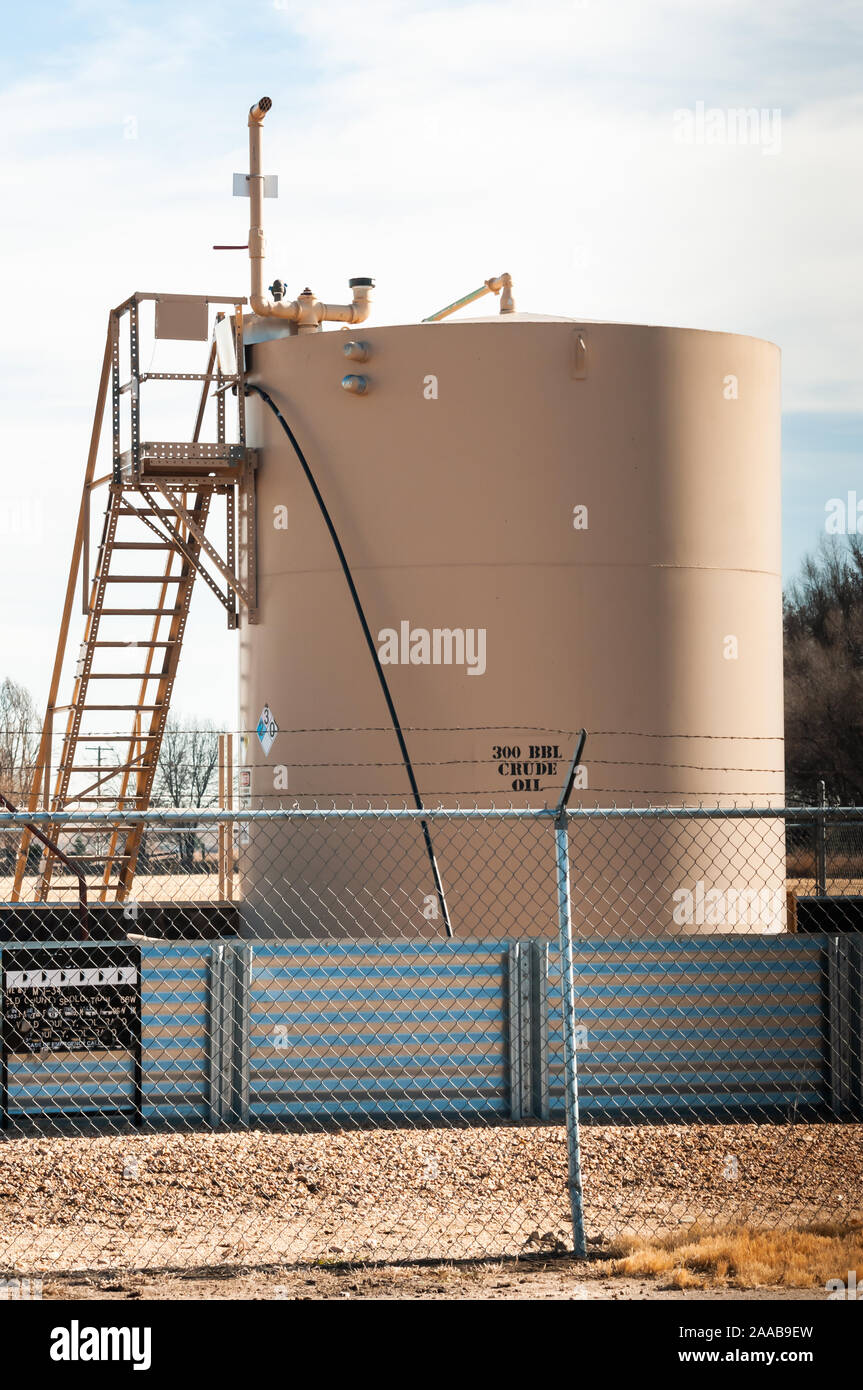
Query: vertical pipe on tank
[256, 199]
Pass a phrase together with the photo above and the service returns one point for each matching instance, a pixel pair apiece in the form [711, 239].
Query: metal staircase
[153, 546]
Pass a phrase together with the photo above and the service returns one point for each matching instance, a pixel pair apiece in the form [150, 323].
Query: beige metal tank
[591, 512]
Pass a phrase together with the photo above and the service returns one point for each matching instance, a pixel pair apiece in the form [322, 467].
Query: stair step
[145, 578]
[79, 800]
[136, 708]
[126, 675]
[143, 545]
[144, 612]
[113, 772]
[146, 511]
[119, 738]
[164, 643]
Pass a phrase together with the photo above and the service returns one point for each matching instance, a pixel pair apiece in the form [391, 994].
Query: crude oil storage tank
[549, 523]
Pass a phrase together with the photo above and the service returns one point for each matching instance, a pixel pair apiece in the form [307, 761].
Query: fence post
[539, 1024]
[217, 1026]
[567, 999]
[241, 963]
[821, 843]
[520, 1031]
[844, 1011]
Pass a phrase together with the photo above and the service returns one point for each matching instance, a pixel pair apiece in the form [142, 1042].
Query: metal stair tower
[156, 516]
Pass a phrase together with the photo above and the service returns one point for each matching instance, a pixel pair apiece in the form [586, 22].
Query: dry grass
[743, 1257]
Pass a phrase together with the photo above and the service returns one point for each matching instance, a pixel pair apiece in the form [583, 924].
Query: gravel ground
[183, 1202]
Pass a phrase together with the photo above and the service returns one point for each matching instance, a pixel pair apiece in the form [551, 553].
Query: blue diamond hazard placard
[267, 730]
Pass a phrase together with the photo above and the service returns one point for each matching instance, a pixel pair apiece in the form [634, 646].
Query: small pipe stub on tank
[356, 352]
[356, 385]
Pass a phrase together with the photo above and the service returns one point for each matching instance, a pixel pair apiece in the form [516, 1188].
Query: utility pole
[98, 748]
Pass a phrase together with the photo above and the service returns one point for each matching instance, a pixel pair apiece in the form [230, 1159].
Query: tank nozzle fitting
[502, 285]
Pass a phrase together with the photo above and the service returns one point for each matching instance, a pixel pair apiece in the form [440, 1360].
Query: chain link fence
[379, 1033]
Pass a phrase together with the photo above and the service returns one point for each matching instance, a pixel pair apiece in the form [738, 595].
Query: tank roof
[517, 317]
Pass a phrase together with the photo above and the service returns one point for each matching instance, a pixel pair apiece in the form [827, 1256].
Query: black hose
[349, 580]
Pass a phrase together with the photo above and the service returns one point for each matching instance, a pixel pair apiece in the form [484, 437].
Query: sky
[584, 146]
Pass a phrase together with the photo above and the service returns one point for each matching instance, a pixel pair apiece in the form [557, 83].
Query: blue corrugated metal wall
[366, 1030]
[389, 1030]
[175, 1026]
[88, 1083]
[693, 1026]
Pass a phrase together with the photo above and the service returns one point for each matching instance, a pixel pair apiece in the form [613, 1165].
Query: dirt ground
[533, 1279]
[466, 1213]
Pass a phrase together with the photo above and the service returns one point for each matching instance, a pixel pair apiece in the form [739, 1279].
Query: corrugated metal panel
[70, 1083]
[175, 1013]
[374, 1029]
[686, 1026]
[390, 1030]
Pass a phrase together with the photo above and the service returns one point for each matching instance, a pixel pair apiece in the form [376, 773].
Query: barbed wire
[747, 794]
[423, 729]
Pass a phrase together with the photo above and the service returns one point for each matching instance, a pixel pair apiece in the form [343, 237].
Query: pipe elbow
[502, 285]
[361, 305]
[360, 310]
[259, 111]
[357, 311]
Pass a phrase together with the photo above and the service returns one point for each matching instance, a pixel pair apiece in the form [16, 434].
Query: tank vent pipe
[306, 311]
[497, 284]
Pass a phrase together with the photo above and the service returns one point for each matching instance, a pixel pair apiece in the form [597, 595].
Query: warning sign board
[267, 730]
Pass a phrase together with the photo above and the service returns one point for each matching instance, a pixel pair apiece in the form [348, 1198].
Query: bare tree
[187, 777]
[823, 614]
[20, 728]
